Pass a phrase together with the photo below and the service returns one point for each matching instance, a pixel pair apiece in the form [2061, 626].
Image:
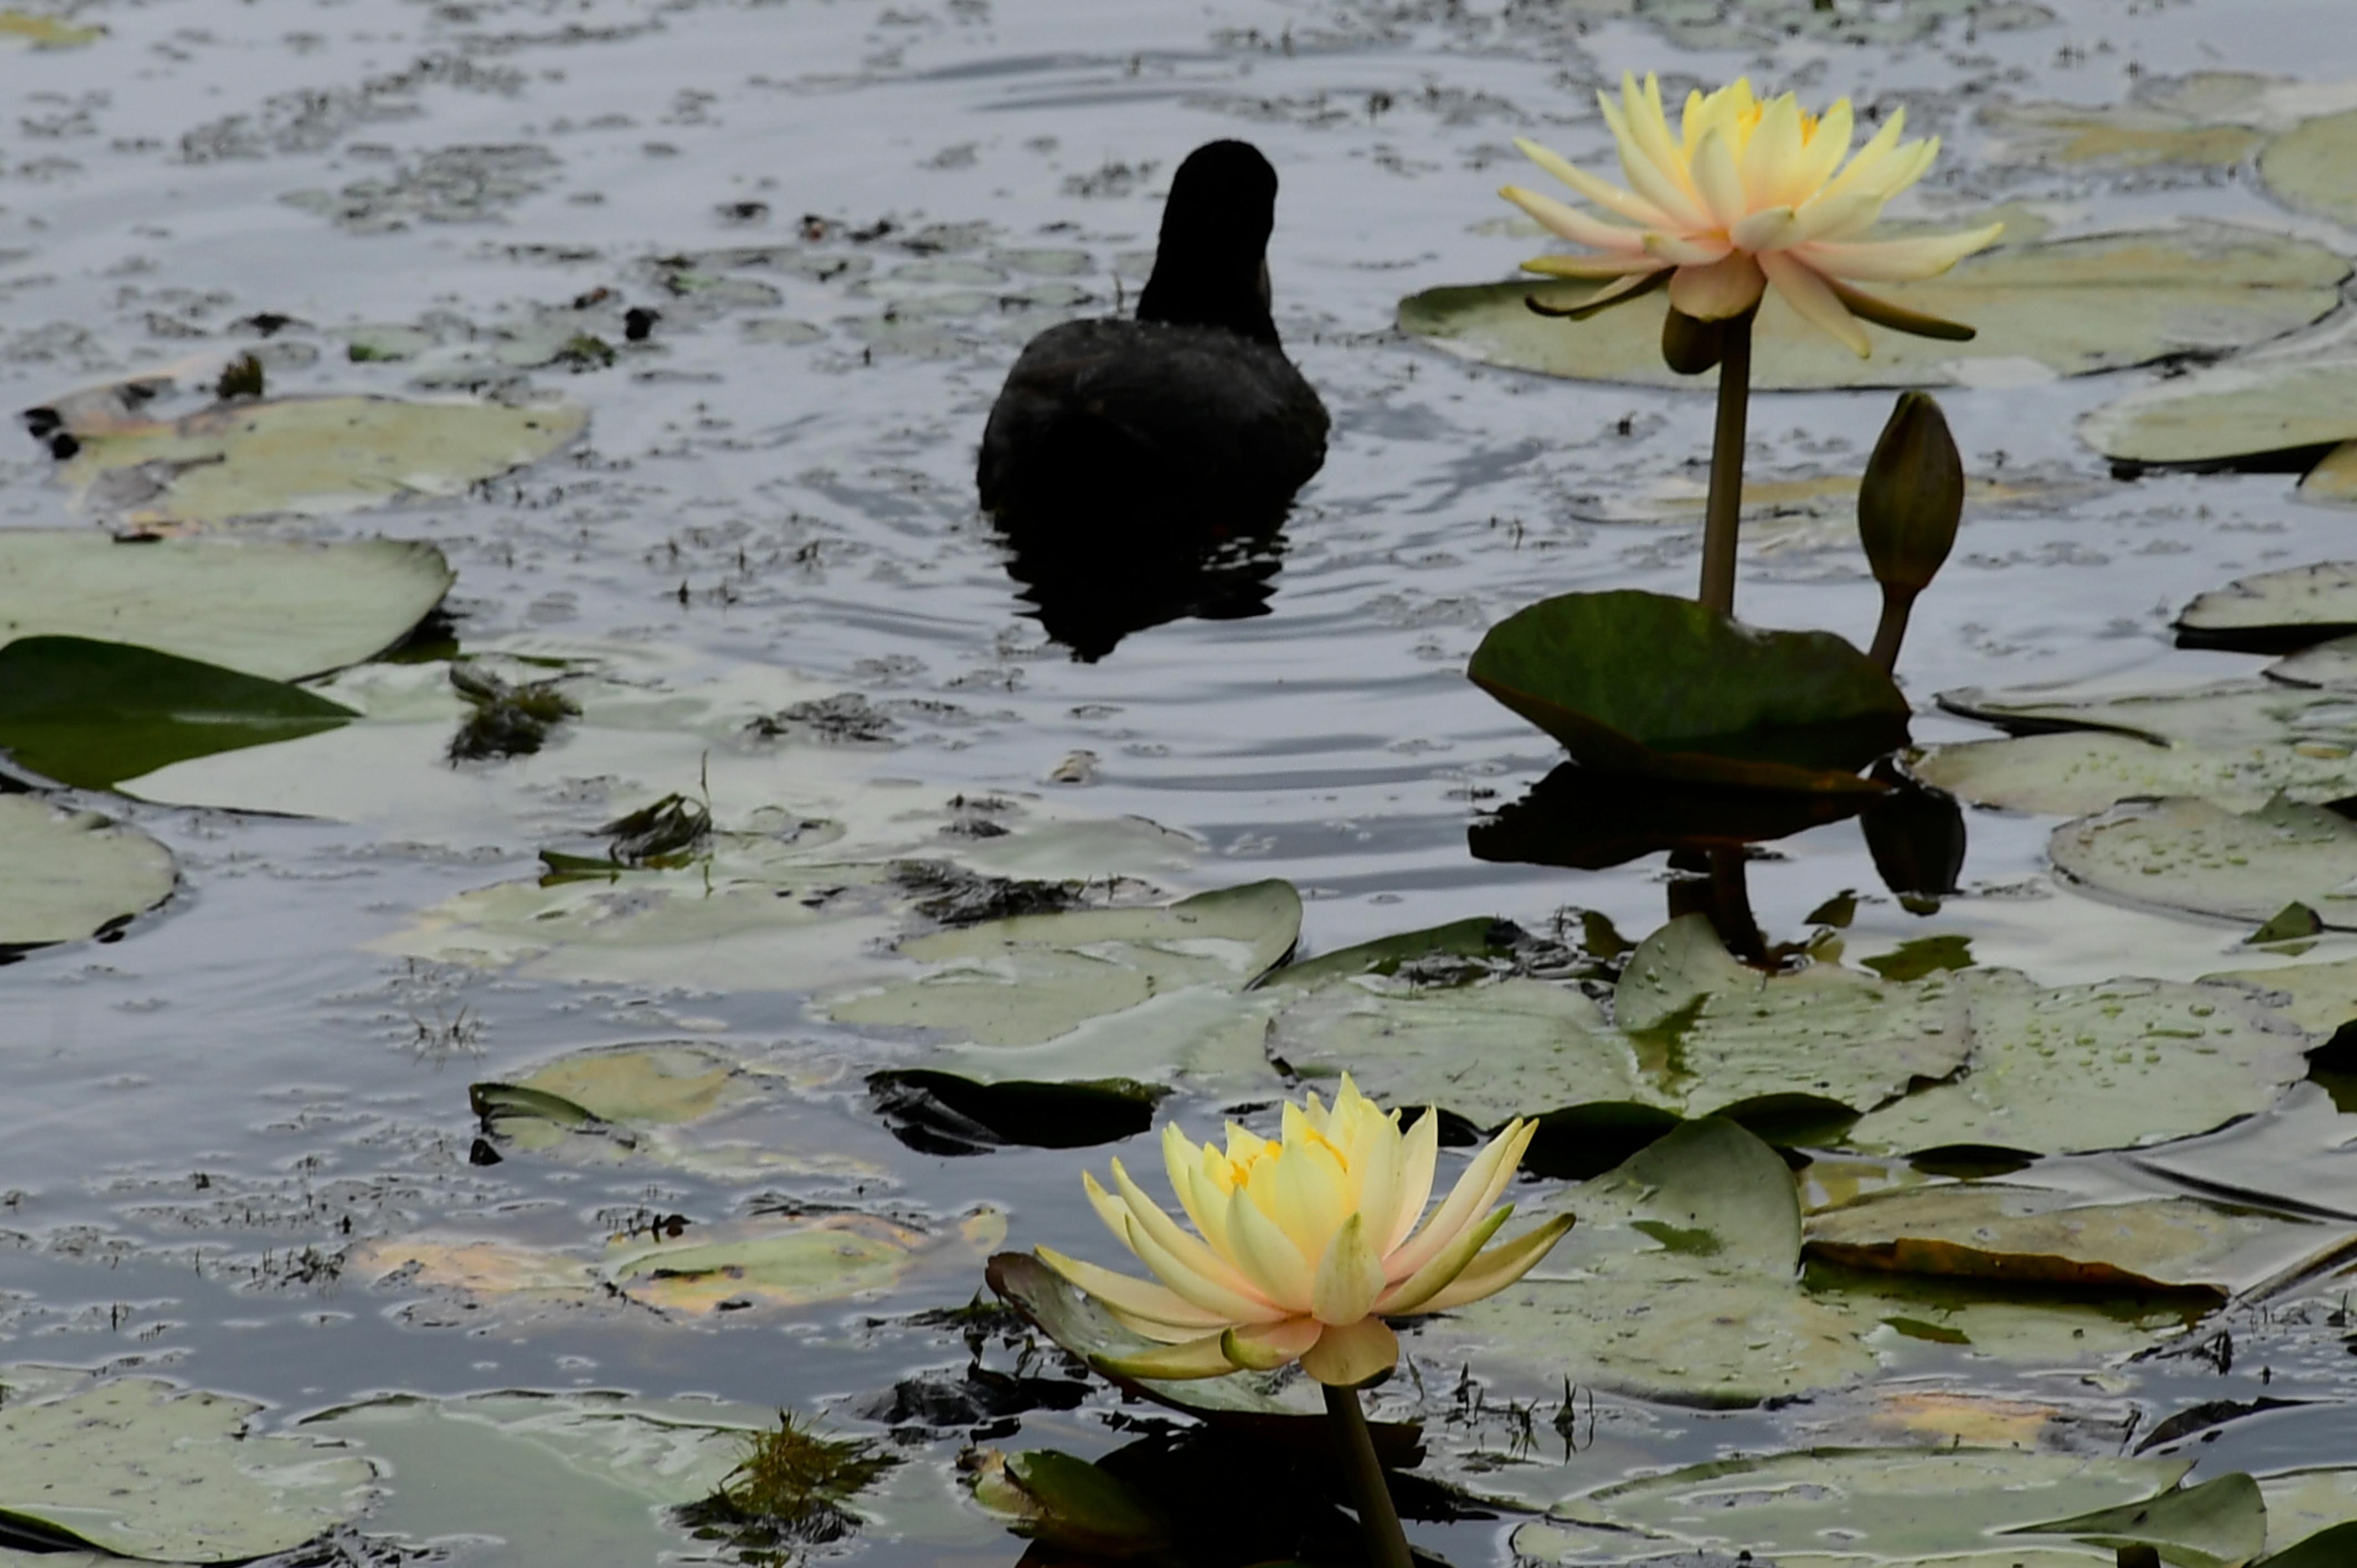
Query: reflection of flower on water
[1305, 1243]
[1742, 196]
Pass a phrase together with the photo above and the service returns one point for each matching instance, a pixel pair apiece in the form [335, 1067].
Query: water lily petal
[1822, 151]
[1655, 170]
[1462, 1206]
[1349, 1355]
[1770, 156]
[1265, 1346]
[1562, 267]
[1898, 318]
[1150, 1328]
[1136, 1298]
[1303, 1192]
[1808, 295]
[1725, 288]
[1381, 1155]
[1349, 1276]
[1834, 217]
[1183, 1162]
[1499, 1267]
[1768, 230]
[1232, 1305]
[1194, 1359]
[1905, 166]
[1870, 158]
[1892, 260]
[1412, 1292]
[1602, 192]
[1192, 1251]
[1685, 250]
[1111, 1210]
[1718, 179]
[1268, 1255]
[1419, 1152]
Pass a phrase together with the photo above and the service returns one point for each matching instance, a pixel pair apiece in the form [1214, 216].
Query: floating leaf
[282, 610]
[1070, 1504]
[139, 1467]
[790, 1263]
[1642, 683]
[2134, 136]
[1850, 1507]
[71, 873]
[92, 714]
[2064, 307]
[2309, 1511]
[2326, 1549]
[310, 454]
[2244, 408]
[2197, 856]
[2030, 1235]
[2309, 165]
[22, 30]
[2334, 477]
[2270, 611]
[2221, 1523]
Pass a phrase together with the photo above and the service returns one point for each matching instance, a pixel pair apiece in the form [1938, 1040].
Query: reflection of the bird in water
[1088, 592]
[1589, 820]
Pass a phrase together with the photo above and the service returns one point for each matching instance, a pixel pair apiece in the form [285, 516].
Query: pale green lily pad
[25, 30]
[2064, 307]
[311, 455]
[546, 1480]
[2081, 771]
[140, 1467]
[2130, 137]
[2240, 409]
[2308, 167]
[1027, 981]
[2199, 857]
[2295, 606]
[2037, 1238]
[2080, 1068]
[2302, 1504]
[2222, 1523]
[2298, 1158]
[2317, 997]
[280, 609]
[74, 874]
[1850, 1509]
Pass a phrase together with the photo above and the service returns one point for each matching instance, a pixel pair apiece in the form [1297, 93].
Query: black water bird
[1190, 417]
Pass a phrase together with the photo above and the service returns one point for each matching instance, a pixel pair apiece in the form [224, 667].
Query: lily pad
[2270, 611]
[74, 874]
[24, 30]
[1849, 1509]
[2334, 477]
[92, 714]
[319, 455]
[791, 1262]
[2243, 408]
[1029, 980]
[1643, 683]
[140, 1467]
[2199, 857]
[2061, 307]
[2221, 1523]
[280, 609]
[2308, 167]
[2033, 1237]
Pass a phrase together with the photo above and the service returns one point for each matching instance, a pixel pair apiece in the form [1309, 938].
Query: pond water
[849, 215]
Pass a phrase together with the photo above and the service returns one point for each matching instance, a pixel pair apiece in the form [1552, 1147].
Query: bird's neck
[1199, 290]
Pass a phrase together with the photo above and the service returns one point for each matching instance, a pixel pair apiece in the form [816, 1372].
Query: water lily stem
[1726, 504]
[1897, 605]
[1378, 1520]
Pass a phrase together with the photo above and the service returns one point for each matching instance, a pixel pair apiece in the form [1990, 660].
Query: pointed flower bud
[1912, 496]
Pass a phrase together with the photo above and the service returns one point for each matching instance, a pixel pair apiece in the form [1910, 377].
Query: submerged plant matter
[793, 1489]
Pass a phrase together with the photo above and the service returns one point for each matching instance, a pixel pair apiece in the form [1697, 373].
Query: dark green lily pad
[1589, 820]
[2099, 302]
[1071, 1505]
[1646, 684]
[944, 1114]
[89, 713]
[2222, 1523]
[2331, 1548]
[73, 873]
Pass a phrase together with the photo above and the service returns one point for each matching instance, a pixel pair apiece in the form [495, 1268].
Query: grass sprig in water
[792, 1490]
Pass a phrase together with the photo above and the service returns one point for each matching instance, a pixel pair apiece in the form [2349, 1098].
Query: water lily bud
[1912, 496]
[1690, 346]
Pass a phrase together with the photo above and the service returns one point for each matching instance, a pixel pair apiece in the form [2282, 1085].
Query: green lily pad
[1855, 1508]
[1642, 683]
[310, 454]
[2319, 998]
[1068, 1503]
[2309, 1510]
[2076, 1069]
[92, 714]
[2327, 1548]
[2270, 611]
[2244, 408]
[24, 30]
[139, 1467]
[2308, 166]
[2064, 307]
[794, 1261]
[2334, 477]
[2131, 136]
[546, 1480]
[1029, 979]
[74, 874]
[1482, 939]
[2221, 1523]
[2033, 1237]
[2199, 857]
[280, 609]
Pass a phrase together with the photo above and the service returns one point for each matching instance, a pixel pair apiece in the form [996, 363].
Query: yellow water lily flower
[1302, 1247]
[1743, 196]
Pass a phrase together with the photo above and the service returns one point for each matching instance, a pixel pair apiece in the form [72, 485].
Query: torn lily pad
[317, 456]
[2198, 857]
[2060, 307]
[73, 873]
[91, 713]
[140, 1467]
[1660, 687]
[280, 609]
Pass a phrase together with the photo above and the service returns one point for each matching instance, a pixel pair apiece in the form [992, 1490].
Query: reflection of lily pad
[71, 874]
[1642, 683]
[1589, 820]
[92, 714]
[1849, 1506]
[2197, 856]
[944, 1114]
[311, 455]
[2068, 306]
[2272, 610]
[141, 1468]
[277, 608]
